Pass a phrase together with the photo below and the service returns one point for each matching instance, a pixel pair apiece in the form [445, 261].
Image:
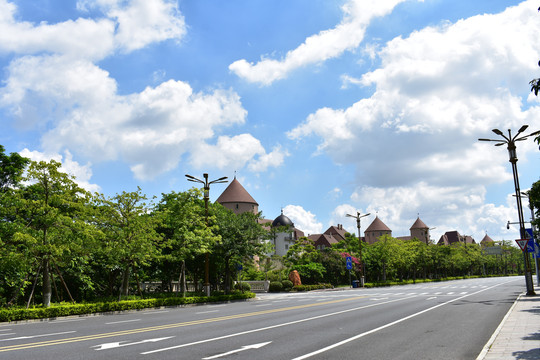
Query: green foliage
[287, 285]
[107, 307]
[275, 286]
[241, 238]
[312, 287]
[311, 273]
[243, 286]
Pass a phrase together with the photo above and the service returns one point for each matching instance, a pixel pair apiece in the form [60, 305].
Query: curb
[491, 340]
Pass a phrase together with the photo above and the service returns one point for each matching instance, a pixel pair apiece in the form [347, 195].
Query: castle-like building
[236, 198]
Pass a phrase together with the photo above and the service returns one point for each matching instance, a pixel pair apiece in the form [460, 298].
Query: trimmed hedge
[312, 287]
[89, 308]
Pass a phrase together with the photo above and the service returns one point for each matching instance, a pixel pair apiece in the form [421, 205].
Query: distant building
[375, 230]
[487, 241]
[331, 236]
[286, 235]
[237, 199]
[454, 237]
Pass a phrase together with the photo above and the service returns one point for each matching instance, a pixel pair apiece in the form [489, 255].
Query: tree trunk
[227, 276]
[47, 290]
[124, 289]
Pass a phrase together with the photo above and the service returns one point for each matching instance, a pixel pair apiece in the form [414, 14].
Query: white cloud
[437, 91]
[80, 107]
[303, 219]
[82, 173]
[126, 26]
[325, 45]
[461, 208]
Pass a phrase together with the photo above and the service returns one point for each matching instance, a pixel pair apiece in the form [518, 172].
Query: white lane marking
[431, 298]
[437, 293]
[5, 330]
[260, 305]
[377, 299]
[450, 293]
[274, 326]
[67, 320]
[356, 337]
[243, 348]
[35, 336]
[206, 312]
[463, 292]
[115, 345]
[120, 322]
[6, 334]
[155, 312]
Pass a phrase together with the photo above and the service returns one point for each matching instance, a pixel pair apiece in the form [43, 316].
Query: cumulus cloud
[436, 92]
[54, 86]
[325, 45]
[303, 219]
[83, 111]
[125, 26]
[82, 173]
[461, 208]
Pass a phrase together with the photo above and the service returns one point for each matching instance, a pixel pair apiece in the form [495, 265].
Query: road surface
[445, 320]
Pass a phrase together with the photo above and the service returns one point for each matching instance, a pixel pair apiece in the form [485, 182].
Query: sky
[320, 108]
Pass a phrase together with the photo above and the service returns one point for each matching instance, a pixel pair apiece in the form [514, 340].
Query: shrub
[244, 286]
[275, 286]
[287, 285]
[56, 310]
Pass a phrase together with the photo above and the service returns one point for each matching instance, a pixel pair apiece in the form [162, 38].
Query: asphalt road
[446, 320]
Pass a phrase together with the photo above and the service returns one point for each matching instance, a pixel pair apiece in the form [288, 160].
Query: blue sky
[320, 107]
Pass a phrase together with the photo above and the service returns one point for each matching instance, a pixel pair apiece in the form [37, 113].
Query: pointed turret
[237, 199]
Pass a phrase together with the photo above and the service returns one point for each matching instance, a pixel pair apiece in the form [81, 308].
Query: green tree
[53, 211]
[13, 262]
[242, 237]
[185, 229]
[534, 202]
[131, 239]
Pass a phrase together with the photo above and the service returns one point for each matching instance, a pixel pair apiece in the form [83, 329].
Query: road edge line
[491, 340]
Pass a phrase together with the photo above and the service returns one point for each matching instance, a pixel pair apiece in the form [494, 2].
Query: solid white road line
[120, 322]
[390, 324]
[273, 326]
[35, 336]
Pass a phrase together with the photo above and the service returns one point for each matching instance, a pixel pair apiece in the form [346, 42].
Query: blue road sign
[532, 247]
[348, 261]
[529, 233]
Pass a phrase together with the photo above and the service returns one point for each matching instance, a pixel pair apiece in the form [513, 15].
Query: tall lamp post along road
[510, 142]
[206, 184]
[358, 217]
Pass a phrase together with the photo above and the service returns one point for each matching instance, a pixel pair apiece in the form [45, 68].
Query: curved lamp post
[510, 142]
[206, 184]
[358, 217]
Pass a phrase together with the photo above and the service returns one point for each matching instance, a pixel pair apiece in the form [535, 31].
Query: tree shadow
[533, 354]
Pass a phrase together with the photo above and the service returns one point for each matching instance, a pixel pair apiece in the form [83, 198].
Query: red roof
[419, 224]
[235, 193]
[377, 225]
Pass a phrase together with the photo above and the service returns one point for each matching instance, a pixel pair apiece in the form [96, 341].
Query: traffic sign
[522, 243]
[348, 262]
[529, 233]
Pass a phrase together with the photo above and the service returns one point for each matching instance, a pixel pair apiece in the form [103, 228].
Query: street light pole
[358, 217]
[206, 196]
[510, 142]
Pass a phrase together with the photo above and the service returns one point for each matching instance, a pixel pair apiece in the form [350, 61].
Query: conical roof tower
[236, 198]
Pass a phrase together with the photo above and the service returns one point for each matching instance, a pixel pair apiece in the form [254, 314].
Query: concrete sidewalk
[518, 335]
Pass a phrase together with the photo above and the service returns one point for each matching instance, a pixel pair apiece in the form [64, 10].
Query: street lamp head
[498, 132]
[523, 128]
